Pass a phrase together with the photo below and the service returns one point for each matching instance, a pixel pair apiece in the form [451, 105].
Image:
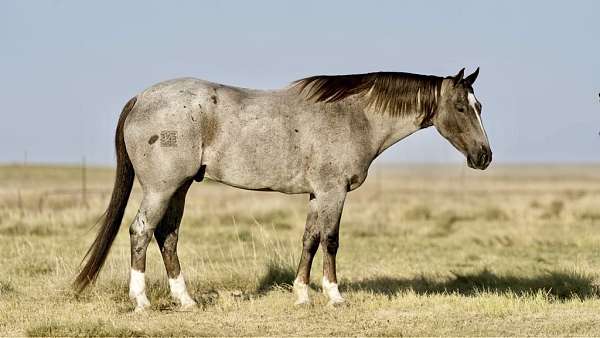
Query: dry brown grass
[425, 250]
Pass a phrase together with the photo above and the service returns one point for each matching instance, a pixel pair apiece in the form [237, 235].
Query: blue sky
[68, 67]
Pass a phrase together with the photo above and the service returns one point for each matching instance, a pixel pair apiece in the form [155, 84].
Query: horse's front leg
[330, 206]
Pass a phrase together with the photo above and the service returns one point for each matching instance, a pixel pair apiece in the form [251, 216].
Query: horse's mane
[390, 92]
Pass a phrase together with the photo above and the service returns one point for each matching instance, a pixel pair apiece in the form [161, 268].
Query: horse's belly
[258, 166]
[265, 178]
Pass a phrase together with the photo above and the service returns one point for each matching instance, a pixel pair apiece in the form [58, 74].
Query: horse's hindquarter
[162, 133]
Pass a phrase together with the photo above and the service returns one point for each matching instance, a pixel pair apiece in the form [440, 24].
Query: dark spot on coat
[184, 107]
[296, 130]
[153, 139]
[214, 99]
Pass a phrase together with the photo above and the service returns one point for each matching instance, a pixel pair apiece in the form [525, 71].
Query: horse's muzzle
[481, 160]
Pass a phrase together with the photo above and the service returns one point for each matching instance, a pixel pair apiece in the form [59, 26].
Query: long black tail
[96, 255]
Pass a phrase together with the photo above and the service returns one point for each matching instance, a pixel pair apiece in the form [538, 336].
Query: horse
[317, 136]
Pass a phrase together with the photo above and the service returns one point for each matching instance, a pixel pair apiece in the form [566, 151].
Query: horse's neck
[387, 130]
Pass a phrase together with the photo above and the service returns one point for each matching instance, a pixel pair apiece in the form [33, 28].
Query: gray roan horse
[317, 137]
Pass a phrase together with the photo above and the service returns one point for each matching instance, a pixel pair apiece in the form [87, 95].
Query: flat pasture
[424, 250]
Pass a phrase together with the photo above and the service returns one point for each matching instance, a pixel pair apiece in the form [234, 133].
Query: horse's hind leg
[165, 149]
[151, 211]
[310, 245]
[166, 236]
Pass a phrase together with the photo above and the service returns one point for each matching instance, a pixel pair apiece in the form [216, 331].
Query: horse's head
[458, 119]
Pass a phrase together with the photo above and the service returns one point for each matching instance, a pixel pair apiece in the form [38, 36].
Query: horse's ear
[471, 78]
[459, 77]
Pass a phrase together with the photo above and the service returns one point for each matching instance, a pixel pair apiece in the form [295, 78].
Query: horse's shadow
[559, 285]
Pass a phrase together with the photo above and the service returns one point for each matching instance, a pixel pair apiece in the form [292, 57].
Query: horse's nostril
[483, 158]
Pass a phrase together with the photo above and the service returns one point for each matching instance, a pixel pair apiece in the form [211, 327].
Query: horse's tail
[96, 255]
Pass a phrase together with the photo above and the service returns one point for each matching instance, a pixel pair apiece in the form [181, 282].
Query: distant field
[424, 250]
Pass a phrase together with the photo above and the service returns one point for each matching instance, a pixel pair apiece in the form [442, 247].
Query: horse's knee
[310, 241]
[330, 241]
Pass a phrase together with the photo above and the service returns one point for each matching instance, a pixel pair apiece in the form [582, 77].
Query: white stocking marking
[301, 290]
[331, 290]
[137, 290]
[179, 291]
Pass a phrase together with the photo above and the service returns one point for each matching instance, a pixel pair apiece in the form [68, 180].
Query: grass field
[424, 250]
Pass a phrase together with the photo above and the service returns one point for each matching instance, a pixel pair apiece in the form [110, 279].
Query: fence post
[20, 203]
[84, 182]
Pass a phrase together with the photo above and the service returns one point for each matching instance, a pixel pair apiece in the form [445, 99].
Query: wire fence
[36, 200]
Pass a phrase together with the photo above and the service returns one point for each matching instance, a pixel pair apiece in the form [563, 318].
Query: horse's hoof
[302, 302]
[141, 308]
[188, 307]
[140, 301]
[336, 302]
